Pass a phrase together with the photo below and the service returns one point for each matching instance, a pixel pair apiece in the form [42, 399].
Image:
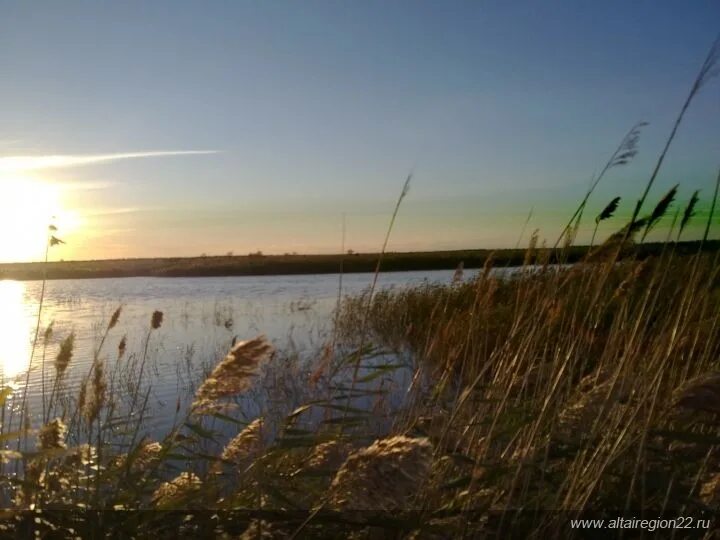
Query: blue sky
[315, 109]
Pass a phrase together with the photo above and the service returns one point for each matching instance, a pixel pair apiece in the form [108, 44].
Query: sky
[174, 128]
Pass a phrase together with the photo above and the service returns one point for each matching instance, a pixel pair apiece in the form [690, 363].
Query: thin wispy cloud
[85, 186]
[33, 163]
[119, 211]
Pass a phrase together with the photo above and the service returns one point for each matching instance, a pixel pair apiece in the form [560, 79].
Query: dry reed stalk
[576, 419]
[234, 374]
[384, 476]
[531, 250]
[177, 491]
[631, 279]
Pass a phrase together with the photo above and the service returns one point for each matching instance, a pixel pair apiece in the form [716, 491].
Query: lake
[201, 317]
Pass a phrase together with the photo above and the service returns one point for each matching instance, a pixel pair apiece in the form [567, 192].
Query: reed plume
[606, 213]
[234, 374]
[660, 210]
[48, 333]
[384, 476]
[52, 435]
[245, 444]
[62, 360]
[146, 455]
[328, 455]
[689, 212]
[531, 250]
[82, 395]
[122, 347]
[98, 391]
[114, 318]
[177, 491]
[156, 320]
[712, 208]
[623, 154]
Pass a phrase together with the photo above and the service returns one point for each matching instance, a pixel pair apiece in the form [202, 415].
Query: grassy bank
[256, 265]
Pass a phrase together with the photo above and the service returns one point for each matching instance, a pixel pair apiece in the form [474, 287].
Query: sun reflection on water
[14, 330]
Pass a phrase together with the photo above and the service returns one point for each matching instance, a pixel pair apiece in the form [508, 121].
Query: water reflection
[15, 338]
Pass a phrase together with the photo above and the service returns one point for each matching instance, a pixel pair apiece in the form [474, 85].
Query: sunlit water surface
[201, 317]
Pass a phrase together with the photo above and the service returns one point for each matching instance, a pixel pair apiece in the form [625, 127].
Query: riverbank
[257, 265]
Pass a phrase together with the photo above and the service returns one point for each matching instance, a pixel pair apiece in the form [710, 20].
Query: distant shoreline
[263, 265]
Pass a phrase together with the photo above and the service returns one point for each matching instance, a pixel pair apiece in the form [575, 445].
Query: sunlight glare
[14, 330]
[28, 207]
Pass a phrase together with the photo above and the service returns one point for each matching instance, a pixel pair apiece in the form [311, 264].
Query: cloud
[119, 211]
[84, 186]
[32, 163]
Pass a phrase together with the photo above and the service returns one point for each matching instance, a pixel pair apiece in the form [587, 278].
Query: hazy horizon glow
[294, 115]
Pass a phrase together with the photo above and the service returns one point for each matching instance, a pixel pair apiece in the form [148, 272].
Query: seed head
[157, 319]
[62, 360]
[97, 394]
[52, 435]
[244, 444]
[172, 493]
[115, 318]
[328, 456]
[383, 476]
[122, 346]
[234, 374]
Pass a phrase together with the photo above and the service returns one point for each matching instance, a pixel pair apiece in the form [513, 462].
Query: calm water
[201, 316]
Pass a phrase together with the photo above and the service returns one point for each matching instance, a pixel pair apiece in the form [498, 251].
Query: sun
[28, 207]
